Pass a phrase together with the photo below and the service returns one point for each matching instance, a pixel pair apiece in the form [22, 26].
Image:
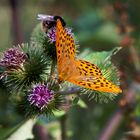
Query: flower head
[12, 58]
[52, 35]
[40, 96]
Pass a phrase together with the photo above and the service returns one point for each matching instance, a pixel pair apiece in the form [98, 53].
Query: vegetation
[108, 35]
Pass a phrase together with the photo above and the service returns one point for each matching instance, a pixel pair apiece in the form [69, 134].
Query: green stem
[63, 123]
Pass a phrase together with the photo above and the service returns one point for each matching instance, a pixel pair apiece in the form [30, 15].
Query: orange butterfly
[78, 72]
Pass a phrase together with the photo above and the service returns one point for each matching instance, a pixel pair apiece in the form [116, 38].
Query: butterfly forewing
[64, 42]
[65, 49]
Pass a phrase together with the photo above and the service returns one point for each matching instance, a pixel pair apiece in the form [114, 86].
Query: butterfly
[76, 71]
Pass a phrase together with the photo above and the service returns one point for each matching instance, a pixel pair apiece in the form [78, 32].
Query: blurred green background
[99, 25]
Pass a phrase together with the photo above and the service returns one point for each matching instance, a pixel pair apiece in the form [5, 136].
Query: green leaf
[20, 132]
[101, 57]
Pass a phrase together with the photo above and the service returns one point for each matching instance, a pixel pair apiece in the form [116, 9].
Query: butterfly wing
[90, 76]
[64, 42]
[87, 69]
[65, 48]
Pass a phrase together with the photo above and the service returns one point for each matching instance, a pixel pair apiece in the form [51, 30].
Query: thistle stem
[63, 123]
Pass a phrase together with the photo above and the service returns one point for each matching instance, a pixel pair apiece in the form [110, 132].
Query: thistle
[34, 69]
[40, 96]
[13, 58]
[40, 99]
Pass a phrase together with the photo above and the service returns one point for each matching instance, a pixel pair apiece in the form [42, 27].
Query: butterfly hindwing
[87, 69]
[89, 76]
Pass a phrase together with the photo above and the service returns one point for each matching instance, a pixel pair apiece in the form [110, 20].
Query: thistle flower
[40, 96]
[13, 58]
[51, 35]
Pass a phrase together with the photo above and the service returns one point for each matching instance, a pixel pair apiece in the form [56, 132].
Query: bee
[49, 21]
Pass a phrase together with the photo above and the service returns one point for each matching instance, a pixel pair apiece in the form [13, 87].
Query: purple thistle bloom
[52, 34]
[40, 96]
[12, 58]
